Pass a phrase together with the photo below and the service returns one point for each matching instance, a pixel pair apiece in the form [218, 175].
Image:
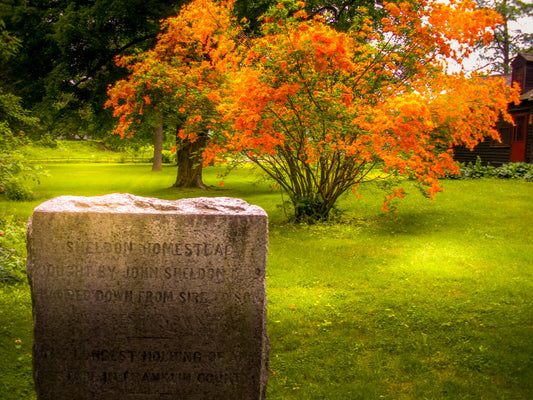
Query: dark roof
[527, 96]
[528, 57]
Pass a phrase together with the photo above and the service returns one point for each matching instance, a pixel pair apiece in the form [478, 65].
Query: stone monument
[138, 299]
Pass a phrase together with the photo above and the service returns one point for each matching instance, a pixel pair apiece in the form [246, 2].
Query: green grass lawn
[75, 151]
[432, 302]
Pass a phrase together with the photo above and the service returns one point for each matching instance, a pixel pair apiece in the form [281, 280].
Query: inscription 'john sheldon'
[151, 249]
[207, 273]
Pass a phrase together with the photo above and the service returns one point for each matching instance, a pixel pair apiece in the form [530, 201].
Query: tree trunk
[189, 156]
[157, 164]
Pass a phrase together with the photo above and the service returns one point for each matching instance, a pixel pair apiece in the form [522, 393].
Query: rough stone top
[123, 203]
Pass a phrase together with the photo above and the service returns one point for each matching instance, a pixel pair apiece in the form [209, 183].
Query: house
[516, 140]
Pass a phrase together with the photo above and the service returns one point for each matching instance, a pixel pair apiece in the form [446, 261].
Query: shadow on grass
[418, 223]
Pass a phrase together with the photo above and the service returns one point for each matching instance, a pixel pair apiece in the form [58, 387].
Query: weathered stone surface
[140, 299]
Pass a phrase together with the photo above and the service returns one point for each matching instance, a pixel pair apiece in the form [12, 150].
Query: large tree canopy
[14, 119]
[173, 74]
[67, 59]
[341, 14]
[179, 80]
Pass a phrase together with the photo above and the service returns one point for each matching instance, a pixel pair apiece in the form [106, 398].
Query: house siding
[529, 142]
[523, 74]
[495, 156]
[529, 78]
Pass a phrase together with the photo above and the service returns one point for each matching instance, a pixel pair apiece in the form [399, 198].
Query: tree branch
[111, 57]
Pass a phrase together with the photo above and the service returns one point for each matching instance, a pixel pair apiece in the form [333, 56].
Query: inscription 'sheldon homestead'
[137, 298]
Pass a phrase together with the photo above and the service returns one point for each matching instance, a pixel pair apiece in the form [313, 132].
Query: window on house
[518, 76]
[511, 133]
[505, 130]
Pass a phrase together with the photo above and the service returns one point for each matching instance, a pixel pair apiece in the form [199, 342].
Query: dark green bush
[17, 189]
[16, 173]
[477, 170]
[515, 171]
[168, 157]
[12, 250]
[48, 141]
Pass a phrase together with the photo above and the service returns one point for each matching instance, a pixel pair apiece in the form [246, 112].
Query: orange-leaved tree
[179, 81]
[320, 110]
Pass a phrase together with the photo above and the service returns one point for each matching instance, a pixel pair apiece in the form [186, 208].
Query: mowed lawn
[432, 302]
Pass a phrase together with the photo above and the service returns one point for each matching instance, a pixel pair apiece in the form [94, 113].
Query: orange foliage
[183, 72]
[311, 102]
[318, 109]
